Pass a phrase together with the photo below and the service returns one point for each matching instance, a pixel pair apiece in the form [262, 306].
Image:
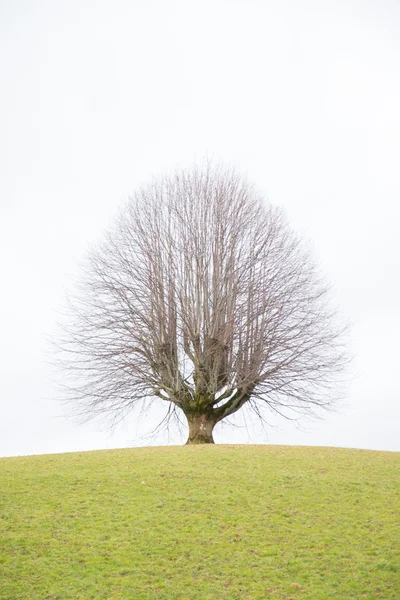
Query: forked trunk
[200, 429]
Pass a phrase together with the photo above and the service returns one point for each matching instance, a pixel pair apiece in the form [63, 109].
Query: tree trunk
[200, 429]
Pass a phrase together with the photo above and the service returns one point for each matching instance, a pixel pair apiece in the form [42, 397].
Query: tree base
[200, 440]
[200, 429]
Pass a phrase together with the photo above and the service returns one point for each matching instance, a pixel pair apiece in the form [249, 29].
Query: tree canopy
[201, 295]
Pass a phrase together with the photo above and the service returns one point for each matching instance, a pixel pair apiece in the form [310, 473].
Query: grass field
[201, 522]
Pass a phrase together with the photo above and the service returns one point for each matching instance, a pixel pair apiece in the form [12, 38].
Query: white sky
[97, 97]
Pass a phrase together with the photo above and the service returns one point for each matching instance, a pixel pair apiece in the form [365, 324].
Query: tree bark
[200, 429]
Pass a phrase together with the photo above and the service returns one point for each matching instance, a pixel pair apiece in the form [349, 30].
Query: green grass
[201, 522]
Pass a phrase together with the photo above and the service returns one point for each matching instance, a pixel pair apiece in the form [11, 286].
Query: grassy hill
[201, 522]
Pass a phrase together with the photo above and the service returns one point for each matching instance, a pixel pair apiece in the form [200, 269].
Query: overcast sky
[97, 97]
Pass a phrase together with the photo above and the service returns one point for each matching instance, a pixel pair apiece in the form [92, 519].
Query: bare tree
[201, 295]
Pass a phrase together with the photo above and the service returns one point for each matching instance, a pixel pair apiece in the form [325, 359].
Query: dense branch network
[201, 295]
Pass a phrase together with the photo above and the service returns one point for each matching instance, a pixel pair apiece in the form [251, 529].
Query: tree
[202, 296]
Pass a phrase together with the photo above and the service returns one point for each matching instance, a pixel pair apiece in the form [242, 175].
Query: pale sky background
[97, 97]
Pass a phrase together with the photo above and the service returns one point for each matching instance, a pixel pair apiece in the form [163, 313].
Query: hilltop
[201, 522]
